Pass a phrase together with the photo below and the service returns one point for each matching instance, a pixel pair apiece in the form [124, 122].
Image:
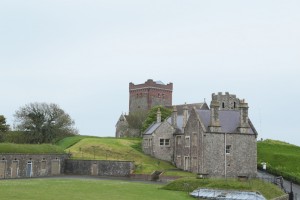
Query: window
[164, 142]
[167, 142]
[234, 104]
[187, 141]
[158, 95]
[161, 142]
[178, 140]
[146, 142]
[194, 140]
[223, 105]
[228, 149]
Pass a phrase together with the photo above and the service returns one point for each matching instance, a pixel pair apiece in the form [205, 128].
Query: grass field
[281, 158]
[268, 190]
[30, 148]
[77, 189]
[121, 149]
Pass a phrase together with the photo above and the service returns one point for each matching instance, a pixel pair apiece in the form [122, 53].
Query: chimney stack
[174, 117]
[185, 115]
[158, 116]
[214, 116]
[244, 125]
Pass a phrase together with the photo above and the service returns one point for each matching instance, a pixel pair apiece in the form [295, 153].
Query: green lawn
[77, 189]
[281, 158]
[121, 149]
[268, 190]
[30, 148]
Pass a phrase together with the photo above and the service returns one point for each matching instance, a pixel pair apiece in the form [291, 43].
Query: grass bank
[76, 189]
[30, 148]
[121, 149]
[268, 190]
[282, 158]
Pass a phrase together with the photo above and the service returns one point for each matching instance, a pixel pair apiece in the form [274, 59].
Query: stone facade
[31, 165]
[99, 167]
[43, 165]
[160, 143]
[217, 142]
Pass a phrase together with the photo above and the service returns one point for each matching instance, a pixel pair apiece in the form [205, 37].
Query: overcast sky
[82, 55]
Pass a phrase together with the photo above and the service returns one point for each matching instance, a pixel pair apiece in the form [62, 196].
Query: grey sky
[82, 55]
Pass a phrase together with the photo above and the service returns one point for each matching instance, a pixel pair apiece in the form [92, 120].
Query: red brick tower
[151, 93]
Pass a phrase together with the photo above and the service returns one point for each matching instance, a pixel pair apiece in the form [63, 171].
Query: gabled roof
[150, 130]
[229, 120]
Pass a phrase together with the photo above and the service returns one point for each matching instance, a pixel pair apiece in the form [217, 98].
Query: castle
[142, 97]
[217, 140]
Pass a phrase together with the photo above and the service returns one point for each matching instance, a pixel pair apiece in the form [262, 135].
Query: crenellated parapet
[226, 101]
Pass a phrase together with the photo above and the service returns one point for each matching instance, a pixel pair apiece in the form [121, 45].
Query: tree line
[38, 123]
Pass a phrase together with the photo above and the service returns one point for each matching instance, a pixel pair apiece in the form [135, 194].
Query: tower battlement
[144, 96]
[226, 101]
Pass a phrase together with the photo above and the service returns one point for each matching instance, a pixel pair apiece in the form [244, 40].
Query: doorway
[2, 168]
[94, 169]
[186, 163]
[29, 169]
[55, 167]
[14, 168]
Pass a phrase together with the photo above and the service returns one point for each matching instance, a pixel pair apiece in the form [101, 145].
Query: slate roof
[229, 120]
[202, 106]
[152, 128]
[179, 122]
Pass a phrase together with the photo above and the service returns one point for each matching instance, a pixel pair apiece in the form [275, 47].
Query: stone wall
[241, 161]
[163, 151]
[99, 167]
[31, 165]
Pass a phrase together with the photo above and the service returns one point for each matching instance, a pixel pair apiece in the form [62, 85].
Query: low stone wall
[31, 165]
[99, 167]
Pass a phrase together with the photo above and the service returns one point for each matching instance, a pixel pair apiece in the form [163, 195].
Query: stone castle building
[217, 141]
[151, 93]
[142, 97]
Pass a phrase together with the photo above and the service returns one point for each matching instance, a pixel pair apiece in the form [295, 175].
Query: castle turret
[226, 101]
[214, 117]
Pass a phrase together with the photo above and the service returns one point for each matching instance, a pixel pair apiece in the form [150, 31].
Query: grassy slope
[268, 190]
[76, 189]
[30, 148]
[281, 158]
[120, 149]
